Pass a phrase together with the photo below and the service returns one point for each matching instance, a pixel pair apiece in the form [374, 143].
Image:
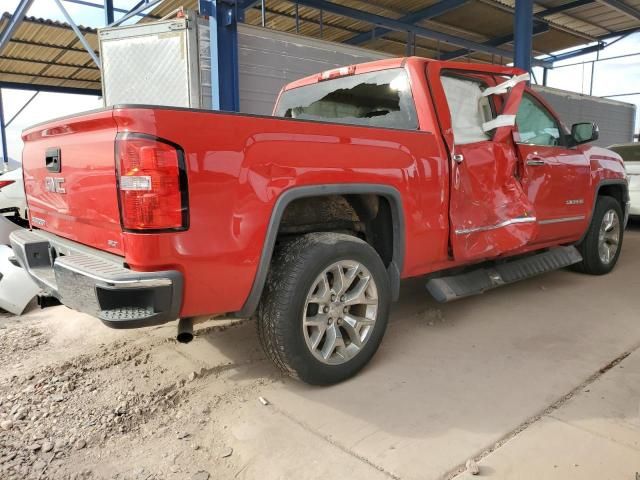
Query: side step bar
[446, 289]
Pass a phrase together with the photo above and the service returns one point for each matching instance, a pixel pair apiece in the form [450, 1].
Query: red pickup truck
[309, 219]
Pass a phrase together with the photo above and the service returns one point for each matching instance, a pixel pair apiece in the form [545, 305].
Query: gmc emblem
[54, 185]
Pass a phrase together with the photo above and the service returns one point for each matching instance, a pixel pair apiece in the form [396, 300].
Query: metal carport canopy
[46, 55]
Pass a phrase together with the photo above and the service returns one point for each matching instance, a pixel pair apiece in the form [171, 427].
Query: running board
[446, 289]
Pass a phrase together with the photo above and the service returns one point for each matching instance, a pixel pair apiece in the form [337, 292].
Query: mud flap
[17, 289]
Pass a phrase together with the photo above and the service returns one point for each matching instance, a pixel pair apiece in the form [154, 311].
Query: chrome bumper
[97, 283]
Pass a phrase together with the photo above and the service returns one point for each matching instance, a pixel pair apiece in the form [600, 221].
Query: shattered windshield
[376, 99]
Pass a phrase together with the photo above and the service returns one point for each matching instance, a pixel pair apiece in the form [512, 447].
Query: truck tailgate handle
[53, 160]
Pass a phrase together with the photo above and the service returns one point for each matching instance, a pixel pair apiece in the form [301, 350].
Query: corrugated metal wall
[268, 60]
[615, 119]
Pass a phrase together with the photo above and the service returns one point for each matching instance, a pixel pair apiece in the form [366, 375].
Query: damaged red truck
[309, 219]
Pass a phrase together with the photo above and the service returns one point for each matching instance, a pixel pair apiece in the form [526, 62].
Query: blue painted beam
[538, 28]
[620, 33]
[225, 86]
[576, 53]
[12, 26]
[431, 11]
[523, 33]
[242, 6]
[136, 11]
[3, 132]
[400, 26]
[108, 12]
[563, 8]
[46, 88]
[115, 9]
[623, 7]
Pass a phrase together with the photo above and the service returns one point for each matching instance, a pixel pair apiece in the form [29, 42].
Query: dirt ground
[472, 379]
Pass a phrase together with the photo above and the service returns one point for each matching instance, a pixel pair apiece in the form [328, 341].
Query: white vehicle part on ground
[633, 173]
[17, 289]
[12, 193]
[6, 227]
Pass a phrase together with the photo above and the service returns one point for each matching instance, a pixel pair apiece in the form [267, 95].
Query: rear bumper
[98, 283]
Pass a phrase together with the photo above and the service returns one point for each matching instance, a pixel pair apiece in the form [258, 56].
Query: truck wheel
[601, 246]
[325, 307]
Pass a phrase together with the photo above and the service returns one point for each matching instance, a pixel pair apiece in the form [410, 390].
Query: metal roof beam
[47, 45]
[115, 9]
[538, 28]
[562, 8]
[51, 64]
[24, 105]
[108, 12]
[12, 26]
[244, 4]
[431, 11]
[623, 8]
[506, 8]
[400, 26]
[576, 53]
[136, 11]
[621, 33]
[78, 33]
[62, 78]
[3, 134]
[50, 88]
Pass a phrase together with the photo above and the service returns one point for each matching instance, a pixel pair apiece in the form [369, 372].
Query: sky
[612, 77]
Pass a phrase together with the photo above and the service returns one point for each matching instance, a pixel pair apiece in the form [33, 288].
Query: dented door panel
[490, 213]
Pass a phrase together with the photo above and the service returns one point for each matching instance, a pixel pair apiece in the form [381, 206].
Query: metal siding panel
[270, 59]
[615, 119]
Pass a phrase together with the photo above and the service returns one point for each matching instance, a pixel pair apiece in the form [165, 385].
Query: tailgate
[70, 179]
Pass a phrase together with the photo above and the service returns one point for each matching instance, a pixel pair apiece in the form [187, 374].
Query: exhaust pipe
[185, 330]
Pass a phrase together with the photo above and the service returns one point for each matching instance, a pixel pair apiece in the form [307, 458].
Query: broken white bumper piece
[504, 87]
[17, 289]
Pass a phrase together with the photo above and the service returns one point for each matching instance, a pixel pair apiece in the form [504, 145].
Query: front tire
[601, 246]
[325, 307]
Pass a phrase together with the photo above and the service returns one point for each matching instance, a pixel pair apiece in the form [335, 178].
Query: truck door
[489, 212]
[555, 176]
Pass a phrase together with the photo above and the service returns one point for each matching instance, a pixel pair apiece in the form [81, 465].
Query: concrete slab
[595, 435]
[554, 450]
[450, 381]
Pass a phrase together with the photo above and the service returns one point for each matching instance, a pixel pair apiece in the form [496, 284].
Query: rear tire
[601, 246]
[325, 307]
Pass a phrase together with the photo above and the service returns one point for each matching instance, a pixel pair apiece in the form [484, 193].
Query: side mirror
[584, 132]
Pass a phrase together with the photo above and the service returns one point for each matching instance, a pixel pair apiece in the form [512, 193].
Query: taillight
[152, 183]
[6, 183]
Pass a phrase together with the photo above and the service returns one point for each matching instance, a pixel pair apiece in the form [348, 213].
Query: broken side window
[376, 99]
[468, 107]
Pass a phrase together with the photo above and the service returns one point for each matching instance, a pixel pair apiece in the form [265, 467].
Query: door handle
[535, 162]
[458, 158]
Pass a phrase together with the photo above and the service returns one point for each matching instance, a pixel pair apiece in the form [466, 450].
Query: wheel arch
[616, 188]
[391, 194]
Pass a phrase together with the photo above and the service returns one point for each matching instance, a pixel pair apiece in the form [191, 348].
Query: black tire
[591, 263]
[295, 267]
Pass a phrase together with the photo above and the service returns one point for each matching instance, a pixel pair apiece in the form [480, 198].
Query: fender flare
[391, 194]
[603, 183]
